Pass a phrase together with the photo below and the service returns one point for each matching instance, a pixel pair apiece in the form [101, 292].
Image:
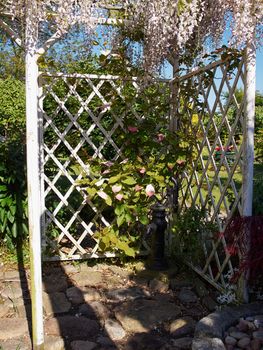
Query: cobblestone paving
[104, 307]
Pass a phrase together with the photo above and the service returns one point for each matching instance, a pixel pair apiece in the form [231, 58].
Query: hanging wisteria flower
[150, 190]
[171, 27]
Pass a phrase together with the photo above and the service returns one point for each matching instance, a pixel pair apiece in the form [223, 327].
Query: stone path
[104, 307]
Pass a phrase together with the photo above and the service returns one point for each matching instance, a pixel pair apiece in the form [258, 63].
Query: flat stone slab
[80, 295]
[90, 279]
[12, 290]
[94, 310]
[55, 303]
[13, 275]
[83, 345]
[11, 328]
[125, 294]
[143, 315]
[210, 329]
[182, 343]
[146, 341]
[6, 306]
[182, 326]
[186, 296]
[55, 283]
[114, 329]
[54, 343]
[72, 327]
[15, 344]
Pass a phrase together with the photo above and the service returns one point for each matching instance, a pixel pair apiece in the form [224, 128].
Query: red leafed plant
[244, 235]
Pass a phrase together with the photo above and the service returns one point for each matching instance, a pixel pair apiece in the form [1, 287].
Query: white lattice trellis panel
[83, 118]
[215, 119]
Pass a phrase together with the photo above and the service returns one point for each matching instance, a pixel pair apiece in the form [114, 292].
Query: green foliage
[128, 188]
[12, 62]
[191, 229]
[13, 204]
[12, 110]
[13, 207]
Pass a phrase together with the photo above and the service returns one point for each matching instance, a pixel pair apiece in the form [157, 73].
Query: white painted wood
[13, 35]
[33, 177]
[249, 124]
[248, 163]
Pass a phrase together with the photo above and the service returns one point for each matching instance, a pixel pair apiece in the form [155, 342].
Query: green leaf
[144, 220]
[114, 179]
[13, 210]
[128, 217]
[2, 215]
[129, 181]
[125, 247]
[108, 201]
[10, 217]
[120, 220]
[119, 209]
[14, 230]
[113, 238]
[91, 191]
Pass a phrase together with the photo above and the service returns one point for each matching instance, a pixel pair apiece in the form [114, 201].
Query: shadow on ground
[108, 307]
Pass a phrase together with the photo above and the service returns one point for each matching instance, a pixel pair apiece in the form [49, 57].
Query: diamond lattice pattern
[83, 117]
[215, 181]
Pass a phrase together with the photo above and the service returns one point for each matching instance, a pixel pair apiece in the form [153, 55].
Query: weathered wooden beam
[13, 35]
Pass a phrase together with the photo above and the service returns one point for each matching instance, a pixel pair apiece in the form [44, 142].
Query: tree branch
[49, 42]
[13, 35]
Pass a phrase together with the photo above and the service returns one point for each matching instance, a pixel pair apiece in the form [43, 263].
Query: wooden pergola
[35, 144]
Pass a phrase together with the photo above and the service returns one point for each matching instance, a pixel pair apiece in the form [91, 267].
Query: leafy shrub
[13, 208]
[152, 157]
[13, 202]
[191, 229]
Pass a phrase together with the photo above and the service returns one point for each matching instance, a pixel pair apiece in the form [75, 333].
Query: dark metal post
[157, 259]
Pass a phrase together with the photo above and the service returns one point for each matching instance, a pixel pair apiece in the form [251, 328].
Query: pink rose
[119, 196]
[133, 129]
[160, 137]
[116, 188]
[150, 190]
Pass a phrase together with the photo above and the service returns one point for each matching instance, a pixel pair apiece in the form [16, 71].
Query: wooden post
[33, 175]
[248, 159]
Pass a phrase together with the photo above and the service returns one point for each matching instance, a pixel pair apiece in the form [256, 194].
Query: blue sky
[259, 77]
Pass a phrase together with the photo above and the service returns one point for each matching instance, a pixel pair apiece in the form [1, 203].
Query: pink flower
[138, 188]
[116, 188]
[150, 190]
[133, 129]
[160, 137]
[124, 161]
[119, 196]
[142, 170]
